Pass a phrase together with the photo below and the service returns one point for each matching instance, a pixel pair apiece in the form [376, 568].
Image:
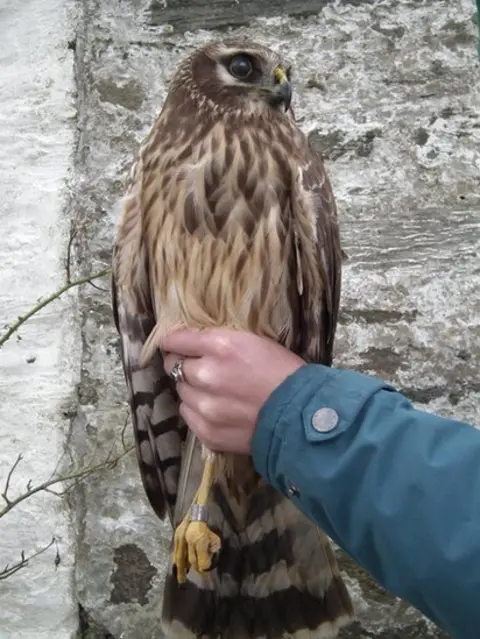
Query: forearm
[396, 488]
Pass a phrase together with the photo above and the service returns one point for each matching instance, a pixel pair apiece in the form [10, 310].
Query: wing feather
[320, 259]
[159, 431]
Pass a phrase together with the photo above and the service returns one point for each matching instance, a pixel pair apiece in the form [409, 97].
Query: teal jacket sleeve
[397, 488]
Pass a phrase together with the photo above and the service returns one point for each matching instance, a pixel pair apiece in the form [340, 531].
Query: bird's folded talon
[180, 552]
[214, 563]
[203, 544]
[195, 546]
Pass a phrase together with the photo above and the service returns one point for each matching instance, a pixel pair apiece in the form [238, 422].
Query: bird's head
[237, 75]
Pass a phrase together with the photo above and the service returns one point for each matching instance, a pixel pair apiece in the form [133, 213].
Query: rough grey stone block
[217, 14]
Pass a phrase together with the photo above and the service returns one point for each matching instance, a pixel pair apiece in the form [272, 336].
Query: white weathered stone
[38, 365]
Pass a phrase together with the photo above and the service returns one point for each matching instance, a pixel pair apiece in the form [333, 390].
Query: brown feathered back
[229, 220]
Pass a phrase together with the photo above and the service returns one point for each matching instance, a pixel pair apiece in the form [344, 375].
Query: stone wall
[387, 91]
[184, 15]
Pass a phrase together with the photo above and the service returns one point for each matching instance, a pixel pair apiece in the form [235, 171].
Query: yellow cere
[280, 75]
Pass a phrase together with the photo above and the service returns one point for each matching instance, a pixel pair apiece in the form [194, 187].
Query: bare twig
[75, 228]
[58, 559]
[99, 288]
[75, 476]
[9, 477]
[68, 260]
[8, 571]
[38, 307]
[122, 434]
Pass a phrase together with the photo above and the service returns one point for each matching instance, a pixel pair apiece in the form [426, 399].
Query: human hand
[228, 376]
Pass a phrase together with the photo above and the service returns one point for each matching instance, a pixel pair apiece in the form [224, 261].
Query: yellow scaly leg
[194, 543]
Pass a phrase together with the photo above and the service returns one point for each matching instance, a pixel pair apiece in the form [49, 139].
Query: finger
[212, 437]
[195, 423]
[215, 409]
[188, 343]
[230, 428]
[183, 389]
[197, 400]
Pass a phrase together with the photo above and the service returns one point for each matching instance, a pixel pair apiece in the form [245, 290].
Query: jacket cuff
[293, 391]
[290, 411]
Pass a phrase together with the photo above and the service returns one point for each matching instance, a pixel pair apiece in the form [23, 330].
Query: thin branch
[38, 307]
[76, 476]
[9, 477]
[8, 571]
[68, 261]
[58, 559]
[122, 434]
[75, 227]
[99, 288]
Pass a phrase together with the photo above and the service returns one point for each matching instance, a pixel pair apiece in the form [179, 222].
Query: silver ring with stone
[177, 371]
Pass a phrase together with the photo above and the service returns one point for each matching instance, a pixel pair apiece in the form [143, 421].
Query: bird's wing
[318, 259]
[158, 429]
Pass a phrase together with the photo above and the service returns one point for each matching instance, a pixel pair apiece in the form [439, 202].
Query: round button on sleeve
[324, 420]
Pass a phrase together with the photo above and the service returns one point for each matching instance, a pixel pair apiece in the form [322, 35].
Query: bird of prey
[229, 220]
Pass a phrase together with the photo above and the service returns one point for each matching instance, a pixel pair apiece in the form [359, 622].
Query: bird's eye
[241, 67]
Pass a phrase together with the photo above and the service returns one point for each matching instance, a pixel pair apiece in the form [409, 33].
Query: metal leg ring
[198, 513]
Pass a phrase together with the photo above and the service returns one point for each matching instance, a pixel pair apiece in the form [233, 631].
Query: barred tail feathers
[276, 575]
